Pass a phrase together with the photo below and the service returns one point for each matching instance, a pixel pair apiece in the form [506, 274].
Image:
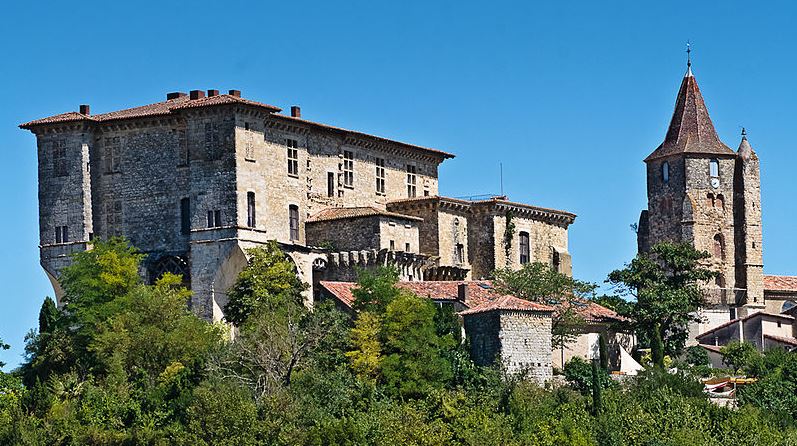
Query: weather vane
[688, 54]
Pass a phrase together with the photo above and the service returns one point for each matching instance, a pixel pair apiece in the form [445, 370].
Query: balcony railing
[726, 296]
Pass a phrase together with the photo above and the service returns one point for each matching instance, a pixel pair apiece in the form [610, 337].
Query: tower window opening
[719, 247]
[714, 168]
[524, 248]
[665, 172]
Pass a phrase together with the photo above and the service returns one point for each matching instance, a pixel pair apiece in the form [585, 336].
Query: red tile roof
[691, 129]
[749, 316]
[780, 283]
[712, 348]
[156, 109]
[480, 292]
[507, 303]
[781, 339]
[356, 212]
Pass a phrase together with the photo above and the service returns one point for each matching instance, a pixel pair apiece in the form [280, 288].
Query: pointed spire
[691, 129]
[688, 60]
[746, 151]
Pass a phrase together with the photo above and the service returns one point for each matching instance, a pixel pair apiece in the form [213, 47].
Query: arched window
[720, 202]
[710, 200]
[170, 264]
[665, 172]
[719, 247]
[714, 168]
[524, 248]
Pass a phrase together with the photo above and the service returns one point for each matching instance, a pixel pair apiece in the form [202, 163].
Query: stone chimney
[296, 111]
[196, 94]
[85, 109]
[212, 93]
[175, 95]
[236, 93]
[462, 292]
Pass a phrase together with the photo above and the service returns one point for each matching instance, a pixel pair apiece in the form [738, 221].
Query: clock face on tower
[715, 183]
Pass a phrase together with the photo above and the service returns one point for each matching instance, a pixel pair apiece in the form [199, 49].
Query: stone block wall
[526, 343]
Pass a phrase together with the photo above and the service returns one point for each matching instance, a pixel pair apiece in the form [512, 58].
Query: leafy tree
[375, 289]
[412, 363]
[269, 280]
[578, 373]
[3, 346]
[366, 353]
[666, 283]
[741, 356]
[538, 282]
[697, 356]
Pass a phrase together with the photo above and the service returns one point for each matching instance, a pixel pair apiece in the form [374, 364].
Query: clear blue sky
[570, 96]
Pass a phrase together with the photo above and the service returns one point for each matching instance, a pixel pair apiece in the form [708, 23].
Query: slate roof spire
[691, 130]
[746, 151]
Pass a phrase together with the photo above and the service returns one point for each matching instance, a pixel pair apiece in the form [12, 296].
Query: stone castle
[703, 193]
[197, 179]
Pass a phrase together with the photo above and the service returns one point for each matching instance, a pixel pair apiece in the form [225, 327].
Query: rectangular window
[411, 181]
[407, 247]
[293, 221]
[250, 209]
[59, 159]
[185, 216]
[348, 168]
[330, 184]
[111, 154]
[214, 219]
[113, 218]
[293, 157]
[250, 145]
[392, 245]
[556, 262]
[61, 234]
[524, 248]
[182, 148]
[380, 175]
[459, 254]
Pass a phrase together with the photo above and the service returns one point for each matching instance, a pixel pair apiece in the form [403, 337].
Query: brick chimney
[85, 109]
[236, 93]
[462, 292]
[212, 93]
[296, 111]
[196, 94]
[175, 95]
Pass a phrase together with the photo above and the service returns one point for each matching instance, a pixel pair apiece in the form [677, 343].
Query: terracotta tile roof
[156, 109]
[691, 129]
[781, 339]
[356, 212]
[508, 303]
[361, 134]
[480, 292]
[780, 283]
[711, 348]
[749, 316]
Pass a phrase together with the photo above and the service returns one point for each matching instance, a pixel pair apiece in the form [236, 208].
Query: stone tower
[702, 192]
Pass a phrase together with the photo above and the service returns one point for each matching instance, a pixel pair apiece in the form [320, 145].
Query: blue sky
[569, 96]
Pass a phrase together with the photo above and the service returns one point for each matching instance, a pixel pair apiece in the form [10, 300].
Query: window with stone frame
[185, 216]
[330, 184]
[113, 218]
[59, 159]
[525, 252]
[412, 180]
[665, 172]
[459, 254]
[250, 210]
[348, 168]
[392, 245]
[720, 202]
[212, 146]
[556, 260]
[719, 247]
[62, 234]
[214, 218]
[183, 157]
[111, 154]
[714, 168]
[407, 247]
[293, 157]
[380, 175]
[293, 222]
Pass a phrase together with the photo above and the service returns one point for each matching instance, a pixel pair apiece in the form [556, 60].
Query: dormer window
[665, 172]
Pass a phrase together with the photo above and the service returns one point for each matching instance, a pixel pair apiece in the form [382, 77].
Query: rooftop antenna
[501, 170]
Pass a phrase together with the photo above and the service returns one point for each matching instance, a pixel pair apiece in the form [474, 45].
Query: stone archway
[171, 264]
[225, 277]
[57, 289]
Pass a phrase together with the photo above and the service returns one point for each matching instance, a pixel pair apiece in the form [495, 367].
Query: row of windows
[713, 170]
[715, 201]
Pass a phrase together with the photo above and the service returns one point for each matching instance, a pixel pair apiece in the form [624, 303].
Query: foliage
[697, 356]
[3, 346]
[740, 356]
[509, 236]
[367, 350]
[538, 282]
[375, 289]
[666, 284]
[269, 281]
[578, 373]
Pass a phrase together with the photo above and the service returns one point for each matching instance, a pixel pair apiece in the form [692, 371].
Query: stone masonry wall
[526, 343]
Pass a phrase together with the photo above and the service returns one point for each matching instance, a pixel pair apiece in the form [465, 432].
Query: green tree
[538, 282]
[741, 356]
[666, 283]
[268, 281]
[3, 346]
[366, 352]
[375, 289]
